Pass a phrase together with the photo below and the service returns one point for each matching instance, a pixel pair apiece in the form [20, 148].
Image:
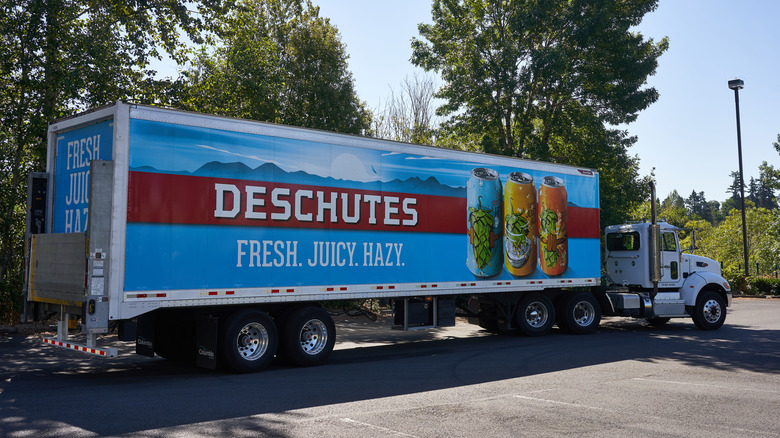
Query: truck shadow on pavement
[46, 393]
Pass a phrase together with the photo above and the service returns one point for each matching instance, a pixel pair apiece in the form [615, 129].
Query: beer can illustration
[520, 224]
[483, 220]
[553, 225]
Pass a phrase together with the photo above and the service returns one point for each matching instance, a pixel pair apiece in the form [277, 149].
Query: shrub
[764, 286]
[737, 280]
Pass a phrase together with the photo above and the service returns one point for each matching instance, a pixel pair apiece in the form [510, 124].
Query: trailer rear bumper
[105, 352]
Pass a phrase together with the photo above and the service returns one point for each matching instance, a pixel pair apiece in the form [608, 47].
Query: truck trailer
[220, 240]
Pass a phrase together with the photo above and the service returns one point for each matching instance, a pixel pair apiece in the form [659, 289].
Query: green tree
[277, 61]
[57, 57]
[768, 181]
[702, 229]
[714, 212]
[696, 204]
[734, 189]
[542, 79]
[673, 210]
[724, 243]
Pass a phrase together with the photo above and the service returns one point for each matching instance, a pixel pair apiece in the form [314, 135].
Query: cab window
[623, 241]
[668, 242]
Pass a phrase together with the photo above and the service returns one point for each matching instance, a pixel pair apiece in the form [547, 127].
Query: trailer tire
[535, 315]
[248, 341]
[308, 336]
[710, 311]
[579, 314]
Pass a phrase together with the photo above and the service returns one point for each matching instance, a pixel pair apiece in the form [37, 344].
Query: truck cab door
[671, 266]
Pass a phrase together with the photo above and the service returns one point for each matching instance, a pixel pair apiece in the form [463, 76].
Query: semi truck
[222, 240]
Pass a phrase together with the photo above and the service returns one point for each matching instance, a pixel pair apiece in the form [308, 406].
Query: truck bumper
[728, 298]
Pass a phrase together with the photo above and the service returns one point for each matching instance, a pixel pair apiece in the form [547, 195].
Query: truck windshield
[623, 241]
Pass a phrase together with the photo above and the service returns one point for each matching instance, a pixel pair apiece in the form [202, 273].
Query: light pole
[736, 85]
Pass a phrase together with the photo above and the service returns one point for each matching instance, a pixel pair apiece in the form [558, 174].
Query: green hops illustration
[547, 220]
[549, 236]
[516, 223]
[481, 232]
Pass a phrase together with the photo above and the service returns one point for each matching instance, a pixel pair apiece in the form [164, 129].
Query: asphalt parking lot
[629, 379]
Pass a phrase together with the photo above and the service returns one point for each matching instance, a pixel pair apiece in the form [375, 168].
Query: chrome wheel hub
[584, 313]
[252, 341]
[314, 337]
[712, 311]
[536, 314]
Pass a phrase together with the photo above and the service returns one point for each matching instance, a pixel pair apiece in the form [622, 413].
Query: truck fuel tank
[631, 304]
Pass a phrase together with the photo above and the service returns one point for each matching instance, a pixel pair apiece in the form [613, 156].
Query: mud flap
[144, 336]
[207, 332]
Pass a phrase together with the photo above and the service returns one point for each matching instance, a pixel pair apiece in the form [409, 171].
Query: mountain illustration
[272, 172]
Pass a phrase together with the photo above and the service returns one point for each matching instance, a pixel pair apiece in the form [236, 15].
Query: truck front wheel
[249, 341]
[579, 314]
[308, 336]
[710, 311]
[535, 315]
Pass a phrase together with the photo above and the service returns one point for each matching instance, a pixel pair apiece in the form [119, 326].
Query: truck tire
[535, 315]
[308, 336]
[579, 314]
[710, 311]
[248, 341]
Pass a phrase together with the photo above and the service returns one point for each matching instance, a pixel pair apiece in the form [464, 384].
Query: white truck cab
[657, 281]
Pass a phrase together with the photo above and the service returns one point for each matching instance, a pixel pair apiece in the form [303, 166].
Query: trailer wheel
[710, 311]
[308, 336]
[579, 314]
[249, 341]
[535, 315]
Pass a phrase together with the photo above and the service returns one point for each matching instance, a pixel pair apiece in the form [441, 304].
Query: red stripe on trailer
[391, 287]
[583, 222]
[230, 292]
[188, 199]
[213, 293]
[274, 291]
[162, 198]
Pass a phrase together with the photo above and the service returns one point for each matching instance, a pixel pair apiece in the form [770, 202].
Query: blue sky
[688, 136]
